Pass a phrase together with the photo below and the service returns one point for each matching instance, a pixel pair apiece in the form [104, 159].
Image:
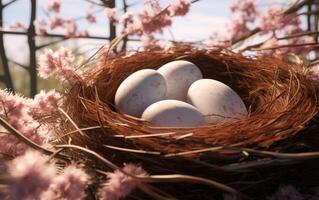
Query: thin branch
[52, 35]
[19, 64]
[246, 35]
[298, 35]
[4, 60]
[26, 140]
[296, 6]
[32, 50]
[9, 3]
[287, 46]
[51, 43]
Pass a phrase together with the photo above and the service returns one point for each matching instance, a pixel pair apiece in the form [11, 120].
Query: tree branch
[19, 64]
[9, 3]
[287, 46]
[125, 39]
[51, 43]
[7, 75]
[32, 50]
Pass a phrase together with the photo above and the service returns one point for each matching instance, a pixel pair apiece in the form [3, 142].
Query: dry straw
[283, 107]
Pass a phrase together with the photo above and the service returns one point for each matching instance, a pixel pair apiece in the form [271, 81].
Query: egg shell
[217, 101]
[138, 91]
[173, 113]
[179, 75]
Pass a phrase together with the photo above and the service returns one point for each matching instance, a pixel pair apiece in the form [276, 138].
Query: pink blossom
[55, 22]
[111, 14]
[83, 33]
[154, 22]
[45, 101]
[29, 176]
[16, 111]
[272, 20]
[70, 185]
[286, 193]
[54, 6]
[127, 17]
[40, 26]
[237, 27]
[120, 185]
[90, 18]
[60, 64]
[246, 9]
[17, 26]
[71, 27]
[179, 7]
[150, 43]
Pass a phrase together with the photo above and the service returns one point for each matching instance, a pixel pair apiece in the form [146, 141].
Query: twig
[51, 43]
[9, 3]
[19, 64]
[286, 46]
[7, 75]
[32, 50]
[26, 140]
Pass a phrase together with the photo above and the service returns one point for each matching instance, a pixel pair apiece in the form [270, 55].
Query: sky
[205, 16]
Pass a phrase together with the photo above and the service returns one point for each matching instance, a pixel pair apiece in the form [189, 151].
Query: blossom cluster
[271, 22]
[19, 112]
[32, 176]
[60, 63]
[119, 185]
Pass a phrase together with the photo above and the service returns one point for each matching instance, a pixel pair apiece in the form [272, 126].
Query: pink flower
[60, 64]
[246, 9]
[120, 185]
[40, 26]
[179, 7]
[55, 22]
[17, 26]
[128, 17]
[237, 27]
[16, 111]
[30, 175]
[83, 33]
[152, 23]
[90, 18]
[70, 185]
[111, 14]
[273, 19]
[45, 102]
[54, 6]
[71, 27]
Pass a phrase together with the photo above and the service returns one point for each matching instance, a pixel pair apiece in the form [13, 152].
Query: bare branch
[7, 75]
[9, 3]
[32, 50]
[51, 43]
[246, 35]
[287, 46]
[19, 64]
[299, 35]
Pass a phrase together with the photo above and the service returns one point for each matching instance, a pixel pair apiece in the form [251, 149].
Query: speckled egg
[173, 113]
[217, 101]
[179, 75]
[140, 90]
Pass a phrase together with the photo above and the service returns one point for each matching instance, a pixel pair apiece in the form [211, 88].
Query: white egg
[140, 90]
[216, 101]
[173, 113]
[179, 75]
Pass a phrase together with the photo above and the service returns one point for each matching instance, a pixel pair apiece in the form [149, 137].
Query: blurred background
[28, 27]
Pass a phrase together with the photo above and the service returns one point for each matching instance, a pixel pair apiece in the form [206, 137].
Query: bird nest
[273, 145]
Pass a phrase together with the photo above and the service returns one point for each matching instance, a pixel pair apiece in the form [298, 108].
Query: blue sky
[204, 17]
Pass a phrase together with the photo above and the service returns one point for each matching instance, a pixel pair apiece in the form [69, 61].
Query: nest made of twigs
[282, 102]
